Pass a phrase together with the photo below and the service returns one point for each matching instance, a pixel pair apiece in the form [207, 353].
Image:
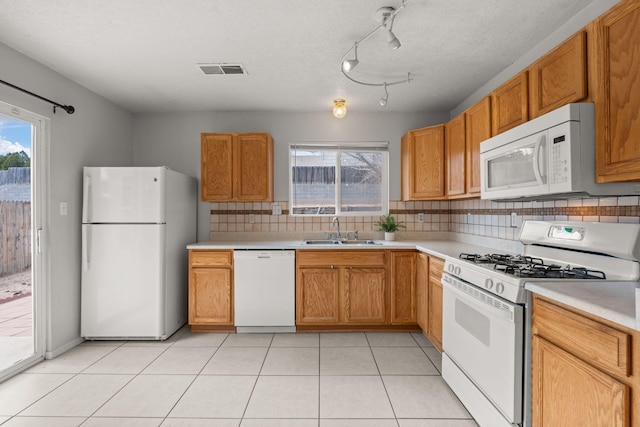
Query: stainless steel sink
[342, 242]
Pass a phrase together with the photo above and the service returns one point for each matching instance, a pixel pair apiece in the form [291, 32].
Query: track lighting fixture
[339, 108]
[385, 16]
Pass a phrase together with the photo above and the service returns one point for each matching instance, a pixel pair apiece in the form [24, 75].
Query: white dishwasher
[264, 290]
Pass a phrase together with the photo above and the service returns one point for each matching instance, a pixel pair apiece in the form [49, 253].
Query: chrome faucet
[335, 221]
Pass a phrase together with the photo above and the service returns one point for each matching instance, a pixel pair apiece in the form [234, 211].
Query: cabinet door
[510, 104]
[478, 129]
[617, 40]
[253, 167]
[403, 287]
[317, 296]
[210, 296]
[422, 289]
[216, 167]
[435, 312]
[364, 295]
[568, 392]
[455, 140]
[423, 153]
[560, 76]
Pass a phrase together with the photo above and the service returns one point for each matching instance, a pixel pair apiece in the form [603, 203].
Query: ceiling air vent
[222, 69]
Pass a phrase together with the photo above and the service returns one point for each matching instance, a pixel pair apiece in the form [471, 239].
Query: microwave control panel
[560, 157]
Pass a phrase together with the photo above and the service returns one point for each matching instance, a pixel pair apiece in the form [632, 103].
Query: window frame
[339, 148]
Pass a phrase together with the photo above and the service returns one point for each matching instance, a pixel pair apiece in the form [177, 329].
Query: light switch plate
[63, 208]
[514, 219]
[276, 210]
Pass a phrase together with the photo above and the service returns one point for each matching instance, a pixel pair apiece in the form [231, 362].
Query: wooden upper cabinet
[422, 164]
[478, 129]
[455, 141]
[510, 104]
[236, 167]
[560, 76]
[216, 172]
[617, 97]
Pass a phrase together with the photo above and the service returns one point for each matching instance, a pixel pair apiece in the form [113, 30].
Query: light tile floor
[243, 380]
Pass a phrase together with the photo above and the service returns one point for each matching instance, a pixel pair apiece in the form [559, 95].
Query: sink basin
[341, 242]
[360, 242]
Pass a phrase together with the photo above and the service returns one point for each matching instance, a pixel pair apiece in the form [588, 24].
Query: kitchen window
[339, 178]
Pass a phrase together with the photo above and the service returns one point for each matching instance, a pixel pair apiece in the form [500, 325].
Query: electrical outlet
[276, 210]
[421, 217]
[252, 218]
[468, 217]
[514, 219]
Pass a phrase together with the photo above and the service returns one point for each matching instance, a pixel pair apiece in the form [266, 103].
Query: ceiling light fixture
[339, 108]
[386, 17]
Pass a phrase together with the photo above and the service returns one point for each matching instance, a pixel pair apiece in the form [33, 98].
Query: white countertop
[614, 301]
[439, 248]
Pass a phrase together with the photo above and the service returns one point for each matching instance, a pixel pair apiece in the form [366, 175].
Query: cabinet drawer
[198, 258]
[590, 340]
[436, 266]
[339, 258]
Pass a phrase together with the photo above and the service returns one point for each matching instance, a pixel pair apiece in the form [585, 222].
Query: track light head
[392, 40]
[349, 64]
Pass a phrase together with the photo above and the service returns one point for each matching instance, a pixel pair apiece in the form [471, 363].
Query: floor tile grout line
[253, 389]
[192, 381]
[386, 392]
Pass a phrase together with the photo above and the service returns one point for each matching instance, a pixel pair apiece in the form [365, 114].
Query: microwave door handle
[540, 177]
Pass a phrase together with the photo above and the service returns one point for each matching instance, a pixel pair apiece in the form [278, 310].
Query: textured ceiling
[143, 54]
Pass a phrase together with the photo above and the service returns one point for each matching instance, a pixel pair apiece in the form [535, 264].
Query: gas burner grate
[531, 267]
[500, 259]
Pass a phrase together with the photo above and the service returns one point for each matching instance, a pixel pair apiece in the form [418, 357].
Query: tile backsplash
[474, 217]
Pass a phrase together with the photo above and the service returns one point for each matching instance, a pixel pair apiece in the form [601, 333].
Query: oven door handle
[489, 303]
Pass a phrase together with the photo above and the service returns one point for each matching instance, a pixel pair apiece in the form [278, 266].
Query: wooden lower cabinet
[359, 288]
[582, 370]
[341, 288]
[434, 301]
[422, 289]
[403, 287]
[364, 295]
[317, 296]
[211, 290]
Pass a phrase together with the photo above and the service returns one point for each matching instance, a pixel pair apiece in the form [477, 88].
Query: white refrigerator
[136, 224]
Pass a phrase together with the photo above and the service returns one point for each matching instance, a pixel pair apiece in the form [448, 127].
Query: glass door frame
[40, 264]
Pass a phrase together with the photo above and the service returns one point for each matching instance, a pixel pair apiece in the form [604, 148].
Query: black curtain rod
[68, 108]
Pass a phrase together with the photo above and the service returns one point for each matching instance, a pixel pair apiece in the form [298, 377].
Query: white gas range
[486, 358]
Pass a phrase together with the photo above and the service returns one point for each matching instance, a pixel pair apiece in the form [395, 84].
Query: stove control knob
[456, 271]
[451, 268]
[488, 283]
[499, 288]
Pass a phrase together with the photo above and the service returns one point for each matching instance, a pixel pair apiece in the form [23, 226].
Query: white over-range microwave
[549, 157]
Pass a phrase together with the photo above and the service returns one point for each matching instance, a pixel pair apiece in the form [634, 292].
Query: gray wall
[173, 140]
[98, 133]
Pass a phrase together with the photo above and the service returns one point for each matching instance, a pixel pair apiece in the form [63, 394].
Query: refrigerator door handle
[86, 190]
[86, 259]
